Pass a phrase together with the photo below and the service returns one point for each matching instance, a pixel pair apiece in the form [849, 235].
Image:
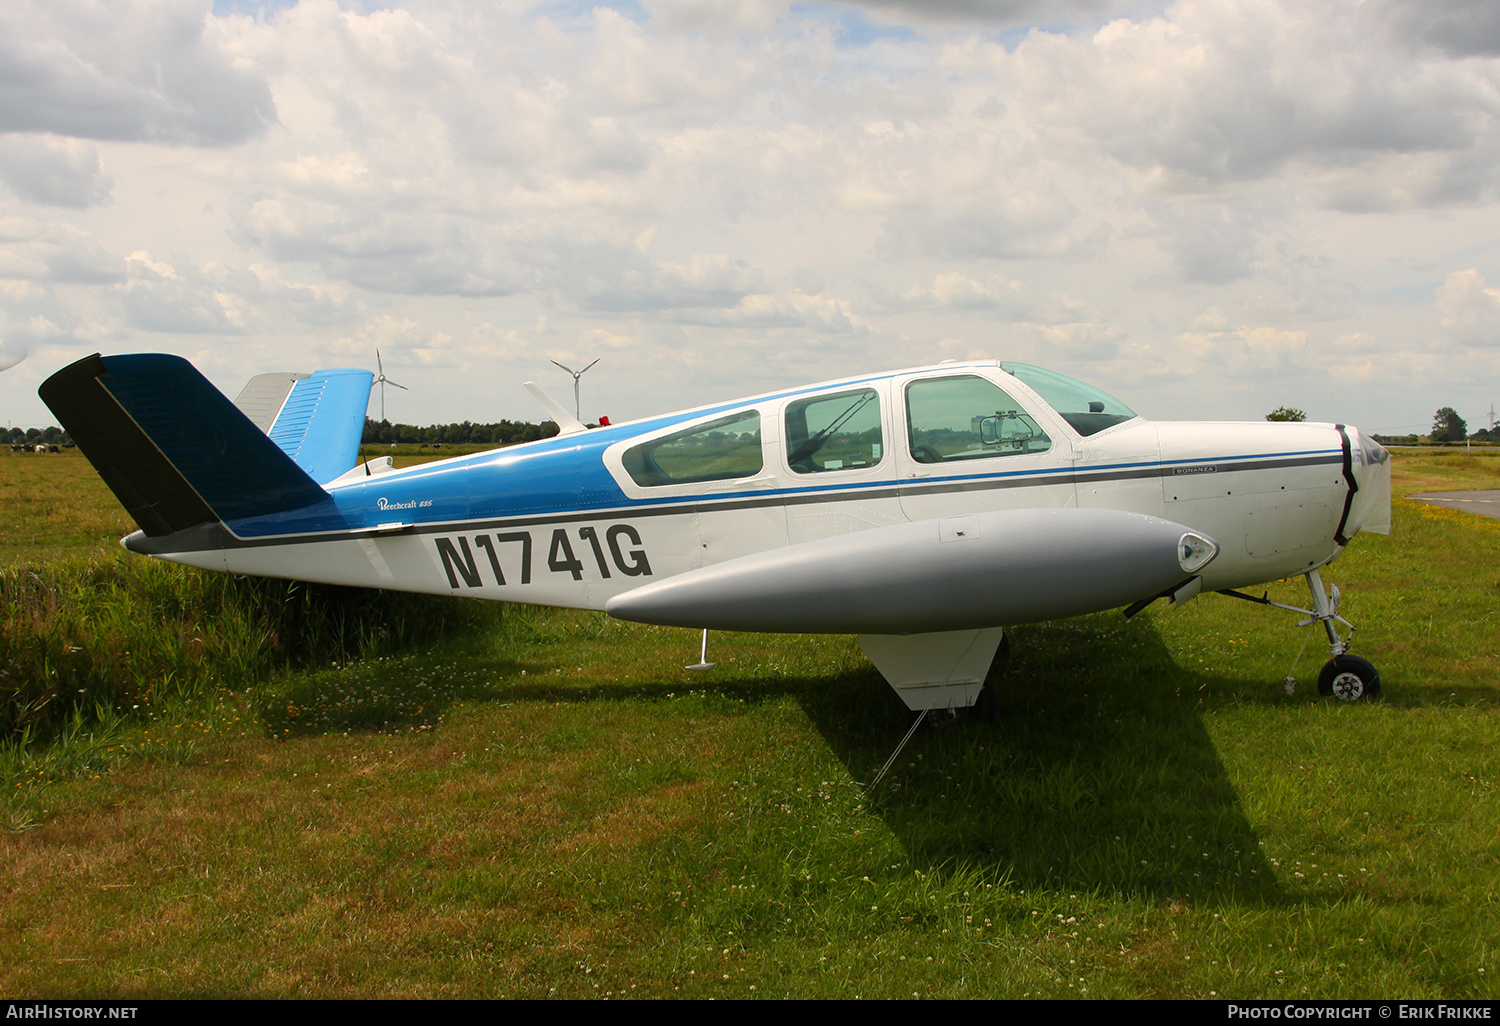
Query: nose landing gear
[1348, 678]
[1345, 677]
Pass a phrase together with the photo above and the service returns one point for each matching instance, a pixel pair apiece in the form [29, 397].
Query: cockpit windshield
[1084, 407]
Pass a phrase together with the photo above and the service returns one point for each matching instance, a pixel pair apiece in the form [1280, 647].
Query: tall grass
[81, 633]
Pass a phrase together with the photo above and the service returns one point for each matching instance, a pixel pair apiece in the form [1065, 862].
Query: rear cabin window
[717, 451]
[964, 417]
[834, 432]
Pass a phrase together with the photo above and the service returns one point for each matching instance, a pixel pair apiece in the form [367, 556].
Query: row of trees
[1447, 426]
[50, 435]
[505, 432]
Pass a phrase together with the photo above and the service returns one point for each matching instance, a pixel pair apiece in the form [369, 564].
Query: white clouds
[755, 193]
[51, 171]
[1004, 298]
[609, 278]
[33, 315]
[385, 248]
[1217, 92]
[1457, 26]
[1246, 351]
[631, 72]
[38, 250]
[977, 199]
[140, 70]
[714, 15]
[1209, 244]
[982, 12]
[778, 314]
[158, 298]
[1468, 310]
[277, 300]
[1016, 320]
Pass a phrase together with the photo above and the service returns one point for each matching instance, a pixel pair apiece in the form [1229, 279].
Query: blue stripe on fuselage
[567, 474]
[547, 476]
[553, 475]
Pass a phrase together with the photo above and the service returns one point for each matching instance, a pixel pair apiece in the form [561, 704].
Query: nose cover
[1371, 467]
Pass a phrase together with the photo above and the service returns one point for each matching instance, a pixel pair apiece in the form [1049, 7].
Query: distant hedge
[505, 432]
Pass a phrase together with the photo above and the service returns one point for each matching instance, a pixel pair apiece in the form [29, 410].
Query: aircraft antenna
[577, 410]
[382, 381]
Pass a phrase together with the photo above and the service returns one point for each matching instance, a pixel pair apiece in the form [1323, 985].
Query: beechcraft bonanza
[924, 510]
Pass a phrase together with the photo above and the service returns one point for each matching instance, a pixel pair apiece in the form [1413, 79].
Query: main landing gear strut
[1345, 677]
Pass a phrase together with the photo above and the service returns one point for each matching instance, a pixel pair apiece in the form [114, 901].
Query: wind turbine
[382, 381]
[577, 410]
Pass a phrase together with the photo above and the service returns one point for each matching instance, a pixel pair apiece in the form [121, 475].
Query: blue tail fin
[320, 424]
[172, 448]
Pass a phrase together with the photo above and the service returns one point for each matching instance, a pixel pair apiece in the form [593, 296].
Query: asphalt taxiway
[1485, 503]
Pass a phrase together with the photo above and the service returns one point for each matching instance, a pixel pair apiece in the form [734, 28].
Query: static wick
[702, 663]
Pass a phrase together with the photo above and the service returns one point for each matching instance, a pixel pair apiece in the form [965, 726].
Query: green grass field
[549, 805]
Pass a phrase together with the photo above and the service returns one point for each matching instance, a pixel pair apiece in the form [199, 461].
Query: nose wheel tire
[1349, 679]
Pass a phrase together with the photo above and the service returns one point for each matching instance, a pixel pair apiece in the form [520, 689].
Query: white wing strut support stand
[915, 723]
[702, 663]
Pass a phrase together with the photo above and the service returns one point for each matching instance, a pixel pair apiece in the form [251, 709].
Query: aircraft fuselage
[579, 519]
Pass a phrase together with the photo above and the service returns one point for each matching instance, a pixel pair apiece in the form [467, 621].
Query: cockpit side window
[1086, 409]
[720, 450]
[966, 417]
[834, 432]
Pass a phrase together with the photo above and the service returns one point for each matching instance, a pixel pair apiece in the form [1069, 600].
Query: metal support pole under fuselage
[1325, 611]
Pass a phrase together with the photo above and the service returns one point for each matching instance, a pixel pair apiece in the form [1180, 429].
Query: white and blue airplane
[923, 510]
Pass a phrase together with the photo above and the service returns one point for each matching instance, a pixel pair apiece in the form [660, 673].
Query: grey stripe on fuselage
[215, 536]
